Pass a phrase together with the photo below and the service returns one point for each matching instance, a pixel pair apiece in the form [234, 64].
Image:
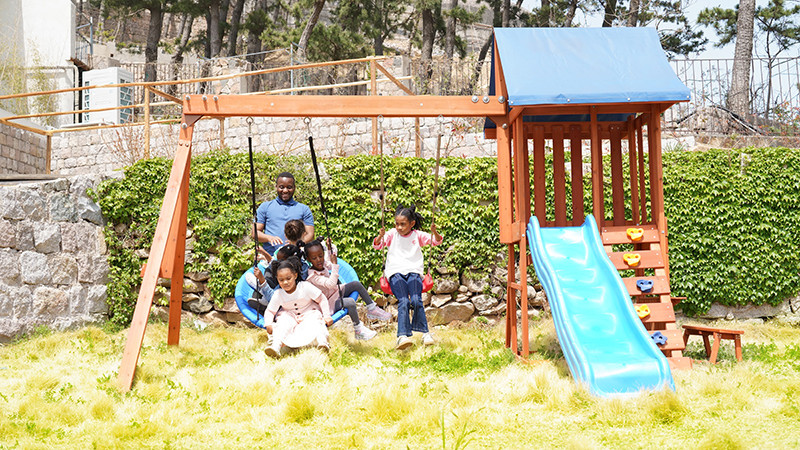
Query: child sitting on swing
[324, 274]
[304, 309]
[264, 280]
[404, 270]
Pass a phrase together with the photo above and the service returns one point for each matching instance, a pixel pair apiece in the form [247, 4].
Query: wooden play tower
[600, 89]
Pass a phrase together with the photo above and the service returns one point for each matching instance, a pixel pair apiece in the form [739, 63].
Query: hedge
[733, 217]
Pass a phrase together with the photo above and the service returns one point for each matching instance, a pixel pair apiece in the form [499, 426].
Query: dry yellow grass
[218, 390]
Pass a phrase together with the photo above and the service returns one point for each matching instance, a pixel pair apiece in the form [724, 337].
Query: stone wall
[21, 152]
[53, 267]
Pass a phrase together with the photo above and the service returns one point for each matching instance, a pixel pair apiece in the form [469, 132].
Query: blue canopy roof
[546, 66]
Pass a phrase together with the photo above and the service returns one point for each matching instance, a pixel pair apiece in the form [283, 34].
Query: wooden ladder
[658, 300]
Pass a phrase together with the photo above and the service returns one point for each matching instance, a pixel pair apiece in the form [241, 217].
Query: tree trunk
[312, 22]
[476, 74]
[609, 13]
[570, 15]
[377, 43]
[153, 36]
[633, 15]
[739, 95]
[546, 13]
[506, 11]
[236, 18]
[214, 32]
[428, 35]
[450, 28]
[177, 58]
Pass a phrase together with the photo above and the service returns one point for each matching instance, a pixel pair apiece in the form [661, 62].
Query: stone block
[475, 280]
[92, 269]
[25, 236]
[58, 185]
[50, 302]
[190, 285]
[47, 238]
[75, 296]
[439, 300]
[32, 204]
[9, 207]
[199, 276]
[7, 298]
[78, 237]
[63, 269]
[228, 306]
[449, 313]
[89, 211]
[444, 285]
[484, 302]
[8, 234]
[96, 299]
[62, 208]
[33, 268]
[497, 310]
[199, 306]
[215, 318]
[22, 299]
[9, 266]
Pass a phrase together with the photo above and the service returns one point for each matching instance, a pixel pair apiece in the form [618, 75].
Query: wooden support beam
[48, 155]
[146, 124]
[342, 106]
[576, 164]
[172, 197]
[632, 170]
[643, 195]
[394, 80]
[505, 183]
[617, 181]
[559, 178]
[539, 182]
[373, 87]
[598, 208]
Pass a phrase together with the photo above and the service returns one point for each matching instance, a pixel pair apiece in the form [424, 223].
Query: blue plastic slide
[604, 342]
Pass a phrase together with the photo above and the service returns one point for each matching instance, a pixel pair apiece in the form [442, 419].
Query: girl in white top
[304, 311]
[404, 269]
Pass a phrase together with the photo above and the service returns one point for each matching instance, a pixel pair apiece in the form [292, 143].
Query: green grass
[218, 390]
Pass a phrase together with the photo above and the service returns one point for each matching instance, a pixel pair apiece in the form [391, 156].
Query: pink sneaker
[377, 313]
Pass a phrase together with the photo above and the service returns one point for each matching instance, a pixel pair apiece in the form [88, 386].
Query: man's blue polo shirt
[275, 213]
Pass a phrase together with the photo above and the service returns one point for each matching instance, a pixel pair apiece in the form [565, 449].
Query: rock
[449, 313]
[437, 301]
[79, 237]
[47, 238]
[141, 253]
[789, 319]
[463, 297]
[199, 276]
[215, 318]
[9, 208]
[794, 304]
[25, 236]
[92, 269]
[58, 185]
[32, 204]
[186, 298]
[718, 311]
[539, 299]
[199, 306]
[229, 305]
[96, 299]
[89, 211]
[443, 285]
[426, 298]
[159, 313]
[120, 228]
[164, 282]
[190, 244]
[499, 309]
[497, 291]
[463, 289]
[63, 269]
[62, 208]
[190, 285]
[50, 302]
[8, 234]
[475, 280]
[33, 268]
[9, 266]
[532, 314]
[484, 302]
[446, 270]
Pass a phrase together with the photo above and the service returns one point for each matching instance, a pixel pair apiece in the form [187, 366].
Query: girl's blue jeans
[408, 290]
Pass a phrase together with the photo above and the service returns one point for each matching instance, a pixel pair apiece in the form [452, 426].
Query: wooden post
[373, 86]
[172, 201]
[657, 180]
[559, 177]
[642, 185]
[597, 171]
[632, 170]
[504, 183]
[617, 181]
[48, 155]
[147, 122]
[576, 164]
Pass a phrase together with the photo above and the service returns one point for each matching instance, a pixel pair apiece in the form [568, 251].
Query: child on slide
[304, 309]
[404, 269]
[324, 274]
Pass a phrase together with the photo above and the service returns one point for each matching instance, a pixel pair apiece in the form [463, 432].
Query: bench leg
[712, 358]
[707, 345]
[737, 342]
[685, 337]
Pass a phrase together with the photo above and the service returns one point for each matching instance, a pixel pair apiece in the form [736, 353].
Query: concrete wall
[53, 267]
[21, 152]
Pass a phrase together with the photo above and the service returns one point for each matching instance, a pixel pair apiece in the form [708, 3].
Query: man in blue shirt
[271, 216]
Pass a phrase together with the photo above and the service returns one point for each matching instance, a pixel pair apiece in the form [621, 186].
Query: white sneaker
[427, 339]
[403, 342]
[363, 333]
[273, 351]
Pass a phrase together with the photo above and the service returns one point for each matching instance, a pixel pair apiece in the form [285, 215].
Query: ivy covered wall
[733, 218]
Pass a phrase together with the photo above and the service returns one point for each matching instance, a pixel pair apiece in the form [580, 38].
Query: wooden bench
[718, 334]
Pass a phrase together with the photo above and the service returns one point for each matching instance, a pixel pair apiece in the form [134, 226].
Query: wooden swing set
[513, 133]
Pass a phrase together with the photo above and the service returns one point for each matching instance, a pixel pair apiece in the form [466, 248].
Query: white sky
[693, 8]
